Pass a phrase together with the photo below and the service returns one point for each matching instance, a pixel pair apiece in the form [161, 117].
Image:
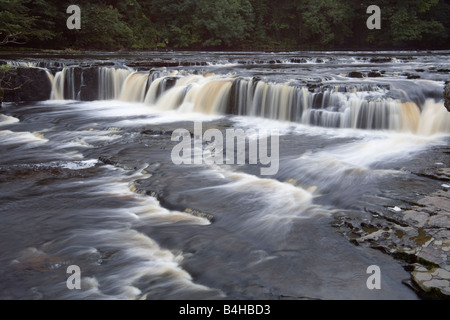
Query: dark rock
[199, 214]
[89, 88]
[298, 60]
[314, 87]
[26, 84]
[447, 95]
[374, 74]
[381, 59]
[356, 74]
[412, 76]
[154, 63]
[156, 132]
[108, 161]
[106, 64]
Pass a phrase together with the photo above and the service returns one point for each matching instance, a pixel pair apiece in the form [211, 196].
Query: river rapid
[93, 183]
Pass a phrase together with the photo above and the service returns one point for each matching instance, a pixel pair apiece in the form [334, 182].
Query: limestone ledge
[419, 236]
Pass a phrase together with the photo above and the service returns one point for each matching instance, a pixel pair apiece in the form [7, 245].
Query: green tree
[326, 23]
[409, 22]
[223, 22]
[19, 24]
[135, 16]
[173, 21]
[101, 28]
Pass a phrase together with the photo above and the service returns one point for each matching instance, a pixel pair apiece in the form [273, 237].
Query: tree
[326, 23]
[223, 22]
[409, 23]
[174, 22]
[102, 28]
[18, 25]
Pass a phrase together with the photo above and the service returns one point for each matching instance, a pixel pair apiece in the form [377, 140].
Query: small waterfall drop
[357, 107]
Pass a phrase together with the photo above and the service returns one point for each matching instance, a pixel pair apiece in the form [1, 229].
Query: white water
[268, 234]
[7, 120]
[336, 107]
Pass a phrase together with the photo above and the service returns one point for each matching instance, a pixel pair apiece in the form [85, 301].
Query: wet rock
[89, 88]
[199, 214]
[417, 219]
[26, 84]
[432, 256]
[374, 74]
[411, 76]
[356, 74]
[418, 236]
[153, 63]
[299, 60]
[381, 59]
[157, 132]
[440, 174]
[447, 95]
[109, 161]
[439, 221]
[435, 281]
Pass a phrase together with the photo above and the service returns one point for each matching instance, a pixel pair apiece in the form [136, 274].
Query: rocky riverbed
[414, 229]
[95, 176]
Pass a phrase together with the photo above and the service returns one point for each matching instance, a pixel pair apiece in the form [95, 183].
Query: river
[93, 182]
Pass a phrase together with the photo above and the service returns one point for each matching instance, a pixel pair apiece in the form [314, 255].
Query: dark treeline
[225, 24]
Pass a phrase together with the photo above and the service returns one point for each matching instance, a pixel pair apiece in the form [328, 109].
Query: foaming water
[117, 261]
[388, 103]
[434, 119]
[8, 137]
[92, 184]
[7, 120]
[140, 265]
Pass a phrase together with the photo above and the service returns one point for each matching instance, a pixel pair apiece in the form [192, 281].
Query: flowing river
[93, 182]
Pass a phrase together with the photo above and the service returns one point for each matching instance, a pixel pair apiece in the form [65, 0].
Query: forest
[225, 25]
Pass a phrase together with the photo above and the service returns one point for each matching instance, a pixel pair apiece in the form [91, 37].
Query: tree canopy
[226, 24]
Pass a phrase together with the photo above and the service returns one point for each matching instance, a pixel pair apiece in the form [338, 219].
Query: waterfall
[63, 85]
[134, 87]
[111, 81]
[357, 107]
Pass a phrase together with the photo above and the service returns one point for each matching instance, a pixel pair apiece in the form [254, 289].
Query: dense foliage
[226, 24]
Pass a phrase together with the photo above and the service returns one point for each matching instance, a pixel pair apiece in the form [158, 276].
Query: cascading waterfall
[134, 87]
[63, 85]
[340, 106]
[111, 82]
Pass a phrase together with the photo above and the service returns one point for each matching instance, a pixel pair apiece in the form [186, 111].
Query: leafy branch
[8, 76]
[11, 38]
